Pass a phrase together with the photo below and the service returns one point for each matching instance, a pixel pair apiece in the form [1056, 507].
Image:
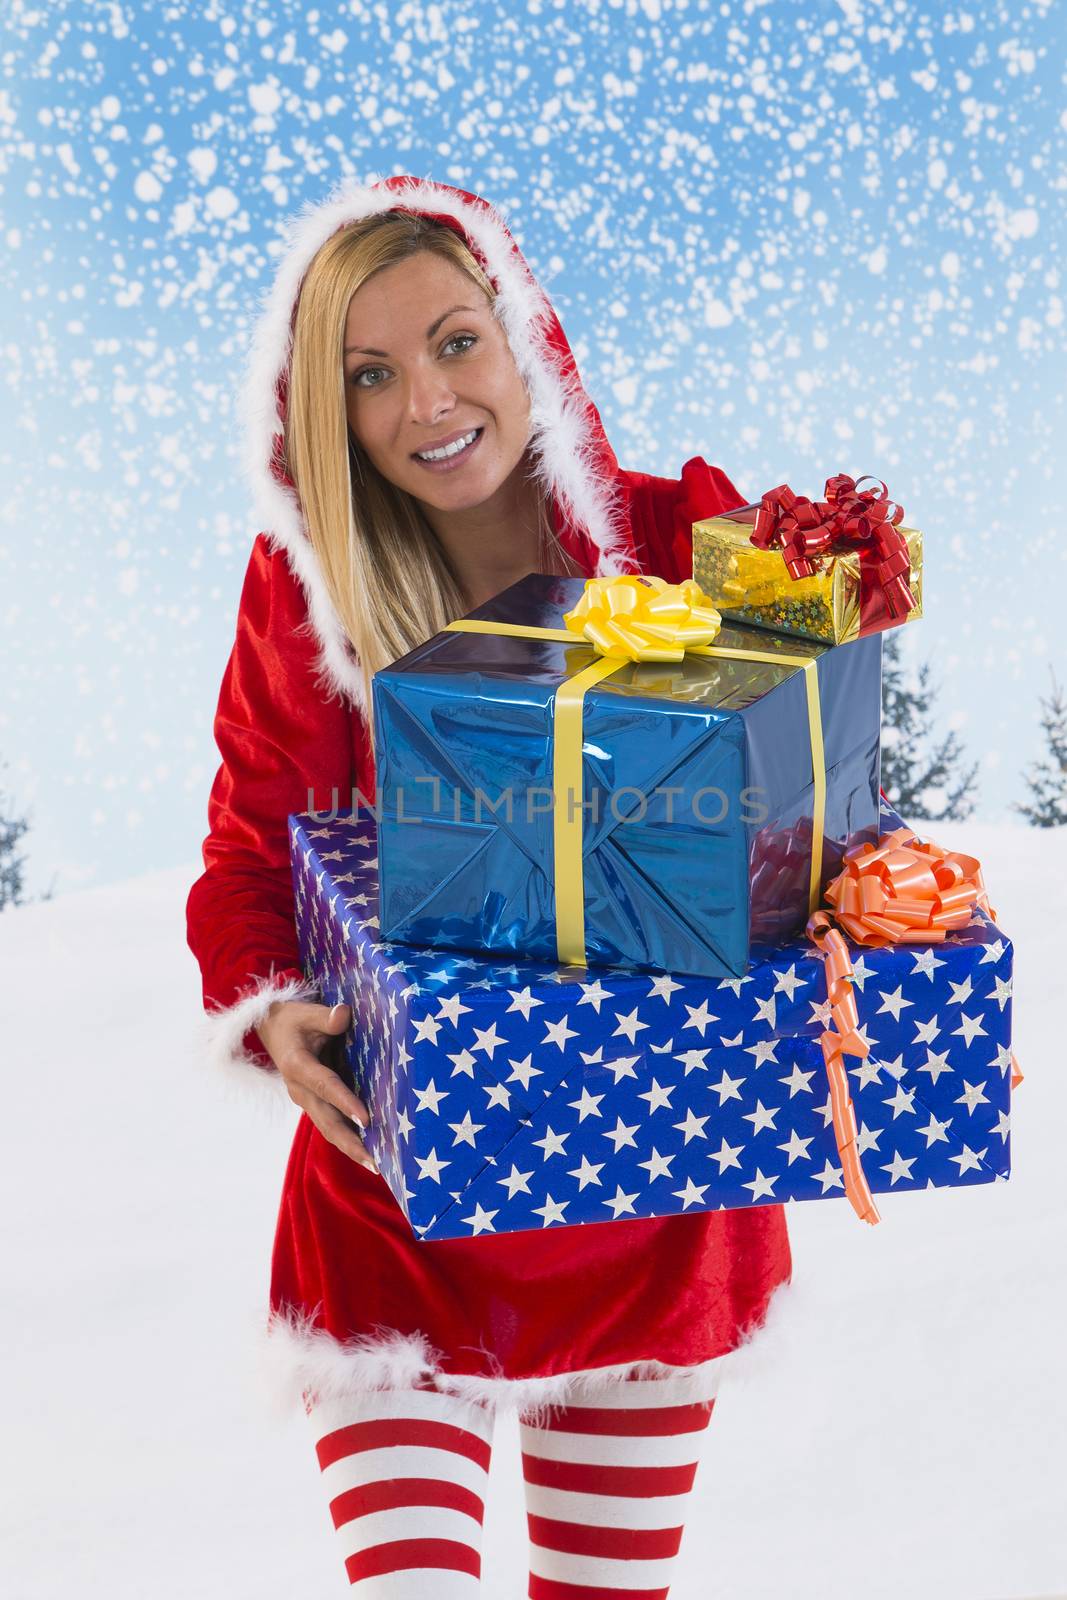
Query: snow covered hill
[899, 1428]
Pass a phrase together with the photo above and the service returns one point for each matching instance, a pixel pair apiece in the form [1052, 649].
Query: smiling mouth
[452, 453]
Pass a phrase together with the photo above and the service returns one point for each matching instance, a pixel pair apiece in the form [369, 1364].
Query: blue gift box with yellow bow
[539, 793]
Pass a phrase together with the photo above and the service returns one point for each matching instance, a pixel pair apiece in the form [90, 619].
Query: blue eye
[472, 339]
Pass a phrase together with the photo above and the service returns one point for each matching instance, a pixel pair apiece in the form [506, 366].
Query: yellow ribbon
[644, 618]
[636, 618]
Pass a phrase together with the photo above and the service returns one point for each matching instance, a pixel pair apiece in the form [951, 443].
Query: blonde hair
[387, 573]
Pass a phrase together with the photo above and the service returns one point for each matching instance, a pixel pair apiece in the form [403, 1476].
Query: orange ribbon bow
[902, 890]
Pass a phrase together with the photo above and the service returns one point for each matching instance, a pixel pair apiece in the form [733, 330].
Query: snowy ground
[899, 1429]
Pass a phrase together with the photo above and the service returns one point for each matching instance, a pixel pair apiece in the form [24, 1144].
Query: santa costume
[358, 1304]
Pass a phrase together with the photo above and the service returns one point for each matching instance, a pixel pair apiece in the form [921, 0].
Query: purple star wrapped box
[512, 1095]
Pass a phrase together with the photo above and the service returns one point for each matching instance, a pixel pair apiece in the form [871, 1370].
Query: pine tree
[922, 774]
[1047, 778]
[12, 862]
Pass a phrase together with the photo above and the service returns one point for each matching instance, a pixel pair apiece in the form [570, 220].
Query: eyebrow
[363, 350]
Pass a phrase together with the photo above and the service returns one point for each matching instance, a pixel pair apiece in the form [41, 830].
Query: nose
[430, 397]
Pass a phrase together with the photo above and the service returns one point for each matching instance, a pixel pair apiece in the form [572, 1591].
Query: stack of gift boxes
[629, 929]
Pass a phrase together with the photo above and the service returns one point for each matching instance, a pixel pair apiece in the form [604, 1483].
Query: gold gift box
[752, 585]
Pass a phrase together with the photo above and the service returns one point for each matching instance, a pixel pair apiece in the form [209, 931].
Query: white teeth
[448, 450]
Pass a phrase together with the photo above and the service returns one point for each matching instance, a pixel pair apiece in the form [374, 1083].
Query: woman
[420, 439]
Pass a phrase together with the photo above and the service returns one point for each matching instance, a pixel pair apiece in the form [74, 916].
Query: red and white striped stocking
[406, 1474]
[608, 1483]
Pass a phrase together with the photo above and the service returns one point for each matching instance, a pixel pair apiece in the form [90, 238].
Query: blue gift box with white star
[534, 799]
[513, 1095]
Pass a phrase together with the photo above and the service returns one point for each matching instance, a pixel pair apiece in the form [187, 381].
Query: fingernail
[337, 1007]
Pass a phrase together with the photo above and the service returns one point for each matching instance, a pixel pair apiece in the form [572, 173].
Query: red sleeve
[279, 737]
[664, 510]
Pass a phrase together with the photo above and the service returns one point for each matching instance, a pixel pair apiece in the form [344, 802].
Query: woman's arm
[279, 738]
[664, 510]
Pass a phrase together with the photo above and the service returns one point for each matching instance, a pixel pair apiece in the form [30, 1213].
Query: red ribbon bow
[848, 519]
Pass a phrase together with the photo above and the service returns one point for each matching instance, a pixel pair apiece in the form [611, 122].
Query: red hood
[572, 455]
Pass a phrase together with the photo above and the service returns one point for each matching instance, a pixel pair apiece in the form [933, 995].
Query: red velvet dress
[352, 1288]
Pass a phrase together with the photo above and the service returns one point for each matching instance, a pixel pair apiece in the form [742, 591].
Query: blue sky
[795, 238]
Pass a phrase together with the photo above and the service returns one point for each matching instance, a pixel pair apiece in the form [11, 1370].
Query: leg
[406, 1472]
[607, 1483]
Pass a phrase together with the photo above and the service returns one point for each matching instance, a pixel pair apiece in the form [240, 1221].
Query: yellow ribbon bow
[637, 617]
[644, 618]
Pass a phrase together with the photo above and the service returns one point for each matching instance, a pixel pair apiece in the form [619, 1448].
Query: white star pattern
[552, 1144]
[935, 1065]
[692, 1194]
[968, 1160]
[522, 1000]
[798, 1082]
[867, 1138]
[700, 1017]
[452, 1008]
[899, 1167]
[901, 1101]
[558, 1033]
[692, 1127]
[934, 1130]
[761, 1118]
[726, 1155]
[925, 962]
[926, 1032]
[476, 1067]
[761, 1187]
[587, 1105]
[515, 1181]
[551, 1211]
[727, 1088]
[1001, 991]
[830, 1177]
[796, 1148]
[621, 1203]
[894, 1002]
[868, 1071]
[861, 972]
[594, 994]
[970, 1027]
[664, 986]
[656, 1096]
[481, 1221]
[466, 1131]
[587, 1173]
[973, 1095]
[787, 982]
[657, 1166]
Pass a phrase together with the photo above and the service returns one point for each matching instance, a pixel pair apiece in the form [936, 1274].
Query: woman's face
[419, 371]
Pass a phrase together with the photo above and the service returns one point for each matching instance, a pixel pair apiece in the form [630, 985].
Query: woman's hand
[294, 1033]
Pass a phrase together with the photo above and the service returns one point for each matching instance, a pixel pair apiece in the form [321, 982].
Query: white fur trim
[222, 1033]
[563, 448]
[299, 1357]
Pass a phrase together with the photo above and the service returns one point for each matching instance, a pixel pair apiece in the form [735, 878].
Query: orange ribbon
[904, 890]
